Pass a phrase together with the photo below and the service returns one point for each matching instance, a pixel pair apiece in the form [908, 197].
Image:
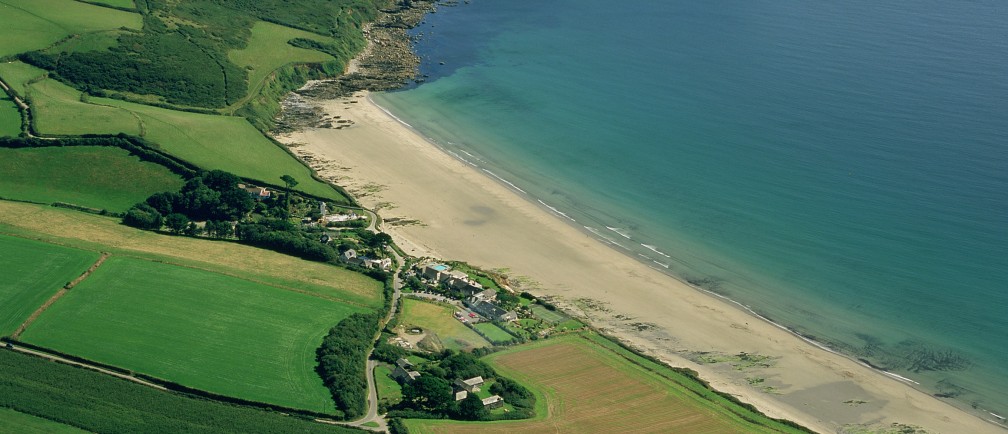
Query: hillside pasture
[268, 50]
[200, 329]
[98, 233]
[37, 24]
[92, 176]
[222, 142]
[585, 386]
[58, 109]
[10, 117]
[437, 318]
[33, 272]
[17, 75]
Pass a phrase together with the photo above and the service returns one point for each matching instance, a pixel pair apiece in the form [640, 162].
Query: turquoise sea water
[842, 169]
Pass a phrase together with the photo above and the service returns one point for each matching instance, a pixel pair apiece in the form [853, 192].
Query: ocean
[841, 169]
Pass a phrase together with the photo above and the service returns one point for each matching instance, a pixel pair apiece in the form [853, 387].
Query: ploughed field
[201, 329]
[585, 384]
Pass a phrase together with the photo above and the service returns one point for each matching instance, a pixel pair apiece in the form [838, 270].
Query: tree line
[342, 361]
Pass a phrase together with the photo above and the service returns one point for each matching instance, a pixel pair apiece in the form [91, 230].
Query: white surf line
[619, 231]
[558, 212]
[504, 180]
[389, 113]
[654, 249]
[459, 157]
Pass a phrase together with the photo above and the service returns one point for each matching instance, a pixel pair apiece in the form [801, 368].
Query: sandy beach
[438, 206]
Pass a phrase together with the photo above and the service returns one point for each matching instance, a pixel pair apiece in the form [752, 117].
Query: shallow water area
[841, 171]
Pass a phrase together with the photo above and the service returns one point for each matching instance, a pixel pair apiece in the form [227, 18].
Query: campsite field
[36, 24]
[268, 50]
[98, 233]
[587, 385]
[33, 272]
[197, 328]
[92, 176]
[438, 318]
[10, 117]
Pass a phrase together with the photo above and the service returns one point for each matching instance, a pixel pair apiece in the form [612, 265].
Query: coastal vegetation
[197, 328]
[100, 403]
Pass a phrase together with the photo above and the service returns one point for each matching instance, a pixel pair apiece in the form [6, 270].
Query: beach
[436, 205]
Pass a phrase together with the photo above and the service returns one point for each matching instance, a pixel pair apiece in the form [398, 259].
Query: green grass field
[116, 3]
[17, 75]
[389, 390]
[210, 141]
[197, 328]
[494, 333]
[92, 176]
[268, 50]
[547, 315]
[57, 109]
[438, 318]
[221, 142]
[10, 117]
[105, 404]
[16, 422]
[584, 383]
[36, 24]
[33, 272]
[98, 233]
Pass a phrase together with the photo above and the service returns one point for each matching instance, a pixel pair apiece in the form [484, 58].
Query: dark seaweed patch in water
[923, 357]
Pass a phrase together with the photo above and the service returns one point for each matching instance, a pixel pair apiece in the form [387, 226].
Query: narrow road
[372, 413]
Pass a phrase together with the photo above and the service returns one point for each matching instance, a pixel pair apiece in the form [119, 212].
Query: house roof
[474, 381]
[404, 363]
[492, 400]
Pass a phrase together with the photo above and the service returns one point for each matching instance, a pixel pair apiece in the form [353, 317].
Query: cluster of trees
[432, 394]
[212, 196]
[342, 359]
[283, 236]
[181, 53]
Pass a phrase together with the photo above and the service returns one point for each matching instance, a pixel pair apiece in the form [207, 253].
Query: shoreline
[453, 209]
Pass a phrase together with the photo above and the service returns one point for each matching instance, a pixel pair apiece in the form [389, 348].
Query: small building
[460, 395]
[471, 288]
[348, 255]
[493, 402]
[404, 372]
[433, 271]
[325, 239]
[471, 385]
[322, 208]
[486, 295]
[455, 279]
[257, 193]
[492, 311]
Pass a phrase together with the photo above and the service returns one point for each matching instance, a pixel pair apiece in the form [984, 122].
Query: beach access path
[457, 212]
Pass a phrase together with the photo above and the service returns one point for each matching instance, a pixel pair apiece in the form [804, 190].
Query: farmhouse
[493, 402]
[257, 193]
[471, 385]
[403, 372]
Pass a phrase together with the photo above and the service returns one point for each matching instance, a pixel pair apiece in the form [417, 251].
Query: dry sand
[453, 211]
